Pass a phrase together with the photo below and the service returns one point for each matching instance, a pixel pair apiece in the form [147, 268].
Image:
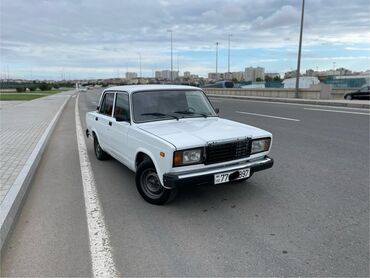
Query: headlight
[260, 145]
[187, 157]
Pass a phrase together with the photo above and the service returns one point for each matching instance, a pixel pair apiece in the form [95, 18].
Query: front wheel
[149, 185]
[349, 97]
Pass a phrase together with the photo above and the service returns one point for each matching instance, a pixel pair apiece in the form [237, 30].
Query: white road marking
[100, 249]
[337, 111]
[269, 116]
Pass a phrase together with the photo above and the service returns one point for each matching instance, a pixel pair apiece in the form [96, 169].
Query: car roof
[153, 87]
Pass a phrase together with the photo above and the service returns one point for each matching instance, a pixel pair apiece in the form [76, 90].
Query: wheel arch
[94, 134]
[141, 154]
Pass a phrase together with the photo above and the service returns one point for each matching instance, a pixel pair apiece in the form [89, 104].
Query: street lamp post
[140, 67]
[228, 56]
[171, 56]
[299, 52]
[217, 43]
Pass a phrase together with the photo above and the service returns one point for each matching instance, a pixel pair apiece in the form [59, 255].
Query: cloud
[357, 48]
[110, 34]
[284, 17]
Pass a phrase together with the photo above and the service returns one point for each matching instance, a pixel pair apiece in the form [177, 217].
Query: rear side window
[229, 84]
[107, 104]
[122, 109]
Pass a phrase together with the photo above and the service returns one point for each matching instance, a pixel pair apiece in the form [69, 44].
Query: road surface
[307, 216]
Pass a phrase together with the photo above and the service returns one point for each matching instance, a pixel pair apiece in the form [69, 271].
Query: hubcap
[151, 184]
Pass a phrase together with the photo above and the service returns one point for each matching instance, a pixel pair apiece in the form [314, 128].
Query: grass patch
[11, 95]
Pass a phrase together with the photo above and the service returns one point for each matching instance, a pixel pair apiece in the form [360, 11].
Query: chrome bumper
[202, 176]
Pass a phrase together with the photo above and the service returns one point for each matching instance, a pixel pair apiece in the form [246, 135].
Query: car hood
[194, 132]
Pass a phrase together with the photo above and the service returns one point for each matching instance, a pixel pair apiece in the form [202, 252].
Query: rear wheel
[348, 97]
[99, 153]
[149, 185]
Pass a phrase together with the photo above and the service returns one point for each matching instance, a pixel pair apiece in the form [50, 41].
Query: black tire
[348, 97]
[149, 185]
[99, 153]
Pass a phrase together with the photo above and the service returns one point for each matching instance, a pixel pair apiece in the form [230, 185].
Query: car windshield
[164, 105]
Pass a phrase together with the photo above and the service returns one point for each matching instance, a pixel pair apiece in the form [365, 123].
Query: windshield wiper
[191, 113]
[160, 115]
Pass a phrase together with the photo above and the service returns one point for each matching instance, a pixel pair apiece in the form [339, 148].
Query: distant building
[228, 75]
[166, 75]
[304, 82]
[348, 81]
[238, 75]
[158, 74]
[187, 74]
[131, 75]
[215, 76]
[252, 74]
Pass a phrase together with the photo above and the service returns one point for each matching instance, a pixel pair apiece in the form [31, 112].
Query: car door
[121, 123]
[104, 120]
[364, 93]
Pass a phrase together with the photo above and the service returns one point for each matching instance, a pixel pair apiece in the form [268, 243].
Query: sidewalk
[328, 102]
[25, 129]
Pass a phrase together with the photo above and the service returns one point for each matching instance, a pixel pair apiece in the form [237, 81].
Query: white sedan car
[171, 136]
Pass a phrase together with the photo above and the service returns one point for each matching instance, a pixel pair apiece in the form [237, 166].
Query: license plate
[232, 176]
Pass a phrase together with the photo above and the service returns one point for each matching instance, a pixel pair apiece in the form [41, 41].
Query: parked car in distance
[362, 93]
[220, 84]
[171, 136]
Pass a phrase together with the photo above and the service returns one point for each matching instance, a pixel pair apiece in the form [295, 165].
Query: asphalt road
[307, 216]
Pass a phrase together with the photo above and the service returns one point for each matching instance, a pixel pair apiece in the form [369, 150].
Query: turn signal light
[177, 158]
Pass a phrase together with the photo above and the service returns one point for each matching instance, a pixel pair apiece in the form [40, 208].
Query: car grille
[220, 152]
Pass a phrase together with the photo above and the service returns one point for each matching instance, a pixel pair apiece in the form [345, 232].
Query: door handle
[110, 123]
[96, 118]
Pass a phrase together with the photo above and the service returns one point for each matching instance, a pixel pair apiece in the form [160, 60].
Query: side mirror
[217, 110]
[97, 108]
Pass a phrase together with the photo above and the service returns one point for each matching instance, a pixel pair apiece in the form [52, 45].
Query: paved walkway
[21, 127]
[6, 104]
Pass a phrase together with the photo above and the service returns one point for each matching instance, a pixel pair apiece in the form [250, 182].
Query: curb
[299, 101]
[13, 200]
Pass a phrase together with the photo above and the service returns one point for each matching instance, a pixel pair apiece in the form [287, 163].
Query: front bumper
[206, 176]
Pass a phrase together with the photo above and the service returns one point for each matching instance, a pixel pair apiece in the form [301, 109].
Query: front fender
[160, 170]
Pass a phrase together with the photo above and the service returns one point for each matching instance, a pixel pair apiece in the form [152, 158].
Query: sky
[74, 39]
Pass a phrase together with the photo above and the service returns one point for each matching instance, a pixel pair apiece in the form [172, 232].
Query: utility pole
[228, 56]
[299, 53]
[140, 65]
[171, 55]
[178, 65]
[217, 43]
